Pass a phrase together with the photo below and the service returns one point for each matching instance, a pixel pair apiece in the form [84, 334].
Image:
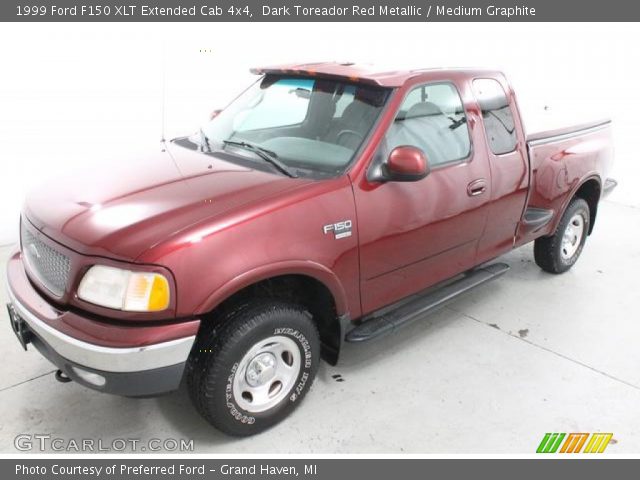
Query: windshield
[308, 125]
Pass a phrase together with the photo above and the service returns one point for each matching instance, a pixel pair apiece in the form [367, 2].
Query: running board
[381, 324]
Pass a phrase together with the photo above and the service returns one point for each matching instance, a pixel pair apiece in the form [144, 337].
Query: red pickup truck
[328, 203]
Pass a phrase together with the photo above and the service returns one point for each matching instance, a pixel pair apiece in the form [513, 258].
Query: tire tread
[546, 250]
[205, 370]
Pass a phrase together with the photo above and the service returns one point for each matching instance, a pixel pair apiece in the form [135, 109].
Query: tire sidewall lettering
[297, 390]
[302, 341]
[234, 411]
[308, 359]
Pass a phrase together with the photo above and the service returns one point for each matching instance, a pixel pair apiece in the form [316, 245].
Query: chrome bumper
[106, 359]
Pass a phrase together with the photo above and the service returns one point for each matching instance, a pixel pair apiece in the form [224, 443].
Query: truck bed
[551, 134]
[561, 160]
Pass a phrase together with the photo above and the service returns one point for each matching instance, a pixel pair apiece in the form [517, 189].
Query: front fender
[292, 267]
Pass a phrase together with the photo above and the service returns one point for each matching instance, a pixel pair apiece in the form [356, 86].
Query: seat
[354, 119]
[427, 127]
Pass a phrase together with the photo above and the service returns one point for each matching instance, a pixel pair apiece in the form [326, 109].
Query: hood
[121, 212]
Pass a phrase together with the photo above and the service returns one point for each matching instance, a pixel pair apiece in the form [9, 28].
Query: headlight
[124, 290]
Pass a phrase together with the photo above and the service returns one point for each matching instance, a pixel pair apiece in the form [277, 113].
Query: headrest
[353, 112]
[423, 109]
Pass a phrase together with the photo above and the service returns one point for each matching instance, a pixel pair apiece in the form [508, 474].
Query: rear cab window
[499, 124]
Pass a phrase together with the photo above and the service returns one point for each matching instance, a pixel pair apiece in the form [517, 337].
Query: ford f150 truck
[329, 203]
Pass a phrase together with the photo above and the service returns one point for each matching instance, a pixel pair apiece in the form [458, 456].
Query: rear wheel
[560, 251]
[254, 369]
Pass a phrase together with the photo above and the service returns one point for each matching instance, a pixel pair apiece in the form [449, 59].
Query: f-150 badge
[340, 230]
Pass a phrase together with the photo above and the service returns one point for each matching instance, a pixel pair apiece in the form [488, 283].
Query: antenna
[164, 101]
[164, 90]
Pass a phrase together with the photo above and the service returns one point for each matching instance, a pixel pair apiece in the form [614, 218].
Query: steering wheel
[349, 132]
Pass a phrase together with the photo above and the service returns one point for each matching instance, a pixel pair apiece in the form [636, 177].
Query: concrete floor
[528, 354]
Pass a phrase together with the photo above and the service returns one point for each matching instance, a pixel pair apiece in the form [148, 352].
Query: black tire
[548, 251]
[219, 352]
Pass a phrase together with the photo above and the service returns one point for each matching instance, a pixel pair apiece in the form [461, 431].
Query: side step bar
[382, 324]
[536, 218]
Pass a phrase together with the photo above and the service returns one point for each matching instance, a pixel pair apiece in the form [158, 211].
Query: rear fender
[570, 196]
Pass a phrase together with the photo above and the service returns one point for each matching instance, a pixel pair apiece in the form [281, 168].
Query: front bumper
[147, 360]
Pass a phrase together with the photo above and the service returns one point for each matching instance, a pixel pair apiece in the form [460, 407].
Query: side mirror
[214, 114]
[406, 164]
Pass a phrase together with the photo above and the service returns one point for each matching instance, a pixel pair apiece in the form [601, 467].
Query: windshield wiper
[457, 123]
[266, 155]
[204, 141]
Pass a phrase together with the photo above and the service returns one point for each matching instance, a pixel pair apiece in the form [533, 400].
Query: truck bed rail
[564, 133]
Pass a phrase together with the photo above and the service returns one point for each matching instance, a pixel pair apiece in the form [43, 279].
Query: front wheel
[253, 370]
[560, 251]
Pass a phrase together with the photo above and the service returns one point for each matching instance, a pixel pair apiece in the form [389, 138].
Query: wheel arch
[590, 191]
[306, 283]
[588, 188]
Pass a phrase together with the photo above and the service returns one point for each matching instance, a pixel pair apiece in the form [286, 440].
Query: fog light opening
[90, 377]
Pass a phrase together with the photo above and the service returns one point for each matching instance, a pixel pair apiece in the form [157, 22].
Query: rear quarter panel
[559, 166]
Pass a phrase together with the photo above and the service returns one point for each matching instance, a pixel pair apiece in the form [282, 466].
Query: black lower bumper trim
[146, 383]
[609, 185]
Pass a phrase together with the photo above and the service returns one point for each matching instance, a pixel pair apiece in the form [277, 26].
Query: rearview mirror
[406, 164]
[301, 93]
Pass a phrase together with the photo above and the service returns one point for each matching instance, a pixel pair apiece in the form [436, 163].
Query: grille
[47, 264]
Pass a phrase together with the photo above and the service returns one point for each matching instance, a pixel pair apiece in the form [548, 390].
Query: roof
[364, 73]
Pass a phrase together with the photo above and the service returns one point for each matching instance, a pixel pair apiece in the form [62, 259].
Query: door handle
[477, 187]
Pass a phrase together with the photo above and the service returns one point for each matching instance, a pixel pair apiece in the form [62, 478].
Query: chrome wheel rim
[266, 374]
[572, 237]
